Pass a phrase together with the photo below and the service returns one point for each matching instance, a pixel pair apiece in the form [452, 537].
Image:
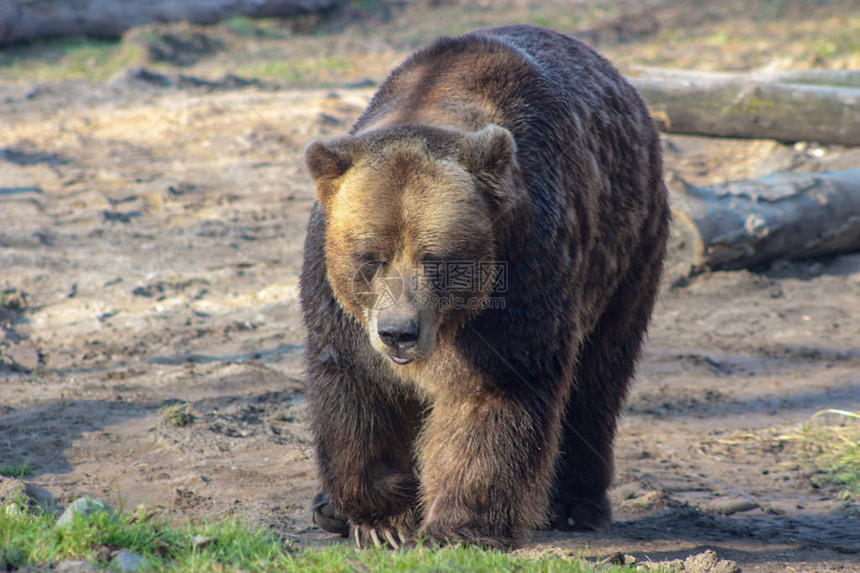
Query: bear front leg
[363, 437]
[486, 469]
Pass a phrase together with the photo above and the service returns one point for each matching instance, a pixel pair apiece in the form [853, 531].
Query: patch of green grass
[255, 28]
[68, 58]
[243, 26]
[370, 7]
[31, 538]
[841, 42]
[320, 71]
[835, 450]
[13, 299]
[177, 415]
[16, 470]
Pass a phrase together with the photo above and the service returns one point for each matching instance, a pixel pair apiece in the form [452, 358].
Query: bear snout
[398, 333]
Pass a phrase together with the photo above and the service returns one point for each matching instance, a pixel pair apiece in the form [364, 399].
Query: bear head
[414, 217]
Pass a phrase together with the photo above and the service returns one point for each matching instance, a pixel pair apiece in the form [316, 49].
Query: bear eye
[367, 258]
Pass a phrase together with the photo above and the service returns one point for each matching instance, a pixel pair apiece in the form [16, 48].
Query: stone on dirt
[200, 541]
[127, 561]
[704, 562]
[708, 562]
[77, 566]
[732, 506]
[85, 506]
[20, 357]
[16, 491]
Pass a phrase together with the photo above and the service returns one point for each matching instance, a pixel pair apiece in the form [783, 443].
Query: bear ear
[492, 150]
[328, 159]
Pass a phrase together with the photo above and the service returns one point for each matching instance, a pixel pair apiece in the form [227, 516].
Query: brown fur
[511, 145]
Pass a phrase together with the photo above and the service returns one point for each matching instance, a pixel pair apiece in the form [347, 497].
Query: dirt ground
[151, 235]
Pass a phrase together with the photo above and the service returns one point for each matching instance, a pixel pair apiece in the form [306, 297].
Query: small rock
[652, 499]
[708, 562]
[85, 506]
[705, 562]
[40, 496]
[674, 566]
[616, 558]
[14, 491]
[74, 567]
[326, 119]
[201, 541]
[126, 561]
[630, 490]
[13, 510]
[732, 506]
[365, 83]
[21, 357]
[139, 77]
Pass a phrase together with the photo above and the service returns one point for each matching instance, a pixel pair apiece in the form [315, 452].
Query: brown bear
[478, 275]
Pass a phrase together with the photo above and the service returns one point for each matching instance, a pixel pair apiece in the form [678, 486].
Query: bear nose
[398, 333]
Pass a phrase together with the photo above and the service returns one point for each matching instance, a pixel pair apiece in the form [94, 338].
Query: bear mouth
[399, 360]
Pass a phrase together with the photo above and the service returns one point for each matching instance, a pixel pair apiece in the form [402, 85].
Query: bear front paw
[393, 534]
[472, 534]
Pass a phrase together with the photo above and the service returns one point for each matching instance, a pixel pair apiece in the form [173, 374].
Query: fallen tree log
[822, 77]
[748, 224]
[25, 20]
[785, 106]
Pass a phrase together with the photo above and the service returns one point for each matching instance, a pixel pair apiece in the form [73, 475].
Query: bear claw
[361, 534]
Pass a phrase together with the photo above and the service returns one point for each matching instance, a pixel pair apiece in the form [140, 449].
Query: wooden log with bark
[805, 105]
[748, 224]
[25, 20]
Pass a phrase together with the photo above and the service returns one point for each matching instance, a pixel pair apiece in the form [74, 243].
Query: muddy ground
[151, 234]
